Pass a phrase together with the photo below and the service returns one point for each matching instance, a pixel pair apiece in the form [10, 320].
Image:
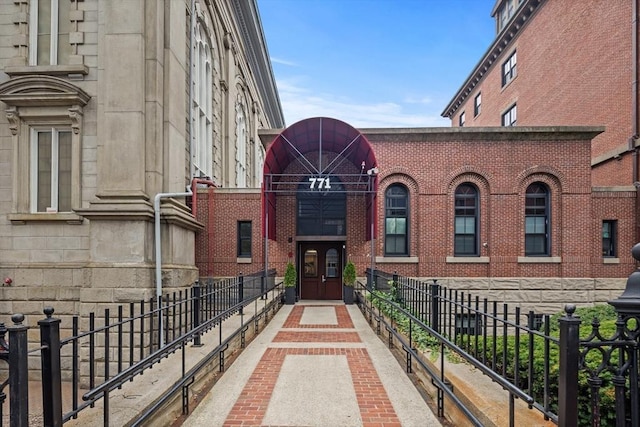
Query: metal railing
[116, 348]
[516, 349]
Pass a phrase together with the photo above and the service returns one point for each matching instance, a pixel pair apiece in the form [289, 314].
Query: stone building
[109, 107]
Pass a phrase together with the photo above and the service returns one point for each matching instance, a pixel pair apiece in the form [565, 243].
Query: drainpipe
[194, 187]
[156, 208]
[192, 144]
[634, 113]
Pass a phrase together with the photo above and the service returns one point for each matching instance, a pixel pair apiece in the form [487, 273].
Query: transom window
[49, 28]
[322, 213]
[509, 69]
[396, 220]
[466, 221]
[536, 234]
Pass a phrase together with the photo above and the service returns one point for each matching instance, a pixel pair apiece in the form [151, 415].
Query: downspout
[192, 143]
[634, 114]
[156, 209]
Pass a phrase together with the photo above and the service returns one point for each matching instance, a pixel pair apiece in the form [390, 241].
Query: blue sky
[374, 63]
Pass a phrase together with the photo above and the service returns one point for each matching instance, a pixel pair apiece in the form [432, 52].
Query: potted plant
[348, 280]
[290, 278]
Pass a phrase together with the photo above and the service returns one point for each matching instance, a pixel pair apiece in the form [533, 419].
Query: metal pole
[51, 369]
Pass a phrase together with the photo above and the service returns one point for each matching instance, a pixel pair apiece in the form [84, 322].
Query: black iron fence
[524, 352]
[117, 347]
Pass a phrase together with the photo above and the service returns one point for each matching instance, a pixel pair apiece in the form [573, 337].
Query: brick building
[507, 212]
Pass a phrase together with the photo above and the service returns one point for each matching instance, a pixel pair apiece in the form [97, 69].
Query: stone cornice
[250, 27]
[41, 91]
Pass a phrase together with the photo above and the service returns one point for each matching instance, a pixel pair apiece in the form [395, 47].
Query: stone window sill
[539, 259]
[397, 259]
[468, 259]
[243, 260]
[611, 260]
[69, 218]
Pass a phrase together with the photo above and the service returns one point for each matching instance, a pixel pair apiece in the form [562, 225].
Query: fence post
[197, 292]
[51, 370]
[627, 306]
[435, 306]
[18, 373]
[240, 292]
[263, 279]
[568, 368]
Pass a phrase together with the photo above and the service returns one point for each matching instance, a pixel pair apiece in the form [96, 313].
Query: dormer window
[505, 12]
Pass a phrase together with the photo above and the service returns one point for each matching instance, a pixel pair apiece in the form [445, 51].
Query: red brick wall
[574, 68]
[431, 165]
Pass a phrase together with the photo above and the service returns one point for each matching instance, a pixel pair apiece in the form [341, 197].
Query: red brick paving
[376, 409]
[342, 315]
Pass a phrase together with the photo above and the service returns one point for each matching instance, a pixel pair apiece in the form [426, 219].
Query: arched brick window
[396, 223]
[536, 217]
[466, 220]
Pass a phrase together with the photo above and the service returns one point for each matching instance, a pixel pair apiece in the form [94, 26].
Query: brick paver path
[375, 407]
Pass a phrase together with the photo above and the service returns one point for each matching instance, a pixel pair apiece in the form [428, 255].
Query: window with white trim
[509, 69]
[49, 28]
[510, 117]
[202, 115]
[241, 147]
[50, 167]
[477, 104]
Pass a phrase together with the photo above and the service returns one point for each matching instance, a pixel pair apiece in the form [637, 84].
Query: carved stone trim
[75, 113]
[14, 120]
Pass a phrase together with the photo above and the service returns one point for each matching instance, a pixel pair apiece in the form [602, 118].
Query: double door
[321, 270]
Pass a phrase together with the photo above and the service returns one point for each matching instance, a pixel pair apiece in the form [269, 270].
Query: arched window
[536, 217]
[202, 104]
[241, 147]
[466, 221]
[396, 221]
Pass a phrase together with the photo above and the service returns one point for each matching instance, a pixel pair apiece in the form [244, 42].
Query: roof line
[522, 17]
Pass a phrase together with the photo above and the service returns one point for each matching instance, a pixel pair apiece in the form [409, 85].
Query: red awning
[310, 135]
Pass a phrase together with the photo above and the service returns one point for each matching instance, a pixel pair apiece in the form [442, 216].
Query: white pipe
[156, 208]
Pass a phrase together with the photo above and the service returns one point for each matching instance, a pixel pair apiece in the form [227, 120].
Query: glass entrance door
[321, 270]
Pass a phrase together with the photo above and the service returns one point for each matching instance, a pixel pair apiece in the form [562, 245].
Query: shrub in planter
[290, 279]
[348, 281]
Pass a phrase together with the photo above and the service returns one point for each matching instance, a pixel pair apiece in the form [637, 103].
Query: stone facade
[111, 95]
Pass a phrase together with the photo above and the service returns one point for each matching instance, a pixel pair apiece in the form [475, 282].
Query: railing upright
[240, 292]
[51, 369]
[569, 354]
[435, 306]
[196, 313]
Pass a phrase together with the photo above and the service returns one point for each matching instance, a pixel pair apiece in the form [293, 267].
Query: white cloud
[283, 62]
[299, 103]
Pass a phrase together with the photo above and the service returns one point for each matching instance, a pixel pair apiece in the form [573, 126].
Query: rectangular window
[462, 119]
[244, 239]
[50, 170]
[609, 237]
[509, 118]
[509, 69]
[50, 26]
[477, 104]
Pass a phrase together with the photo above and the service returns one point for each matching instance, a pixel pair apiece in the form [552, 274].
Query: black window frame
[477, 104]
[509, 69]
[396, 201]
[466, 206]
[537, 209]
[243, 239]
[610, 243]
[462, 119]
[510, 116]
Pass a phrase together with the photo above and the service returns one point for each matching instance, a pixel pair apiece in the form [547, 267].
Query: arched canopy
[305, 142]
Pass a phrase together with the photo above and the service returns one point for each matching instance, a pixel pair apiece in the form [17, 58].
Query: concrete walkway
[316, 364]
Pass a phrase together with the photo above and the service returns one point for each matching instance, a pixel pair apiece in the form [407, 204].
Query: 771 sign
[319, 183]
